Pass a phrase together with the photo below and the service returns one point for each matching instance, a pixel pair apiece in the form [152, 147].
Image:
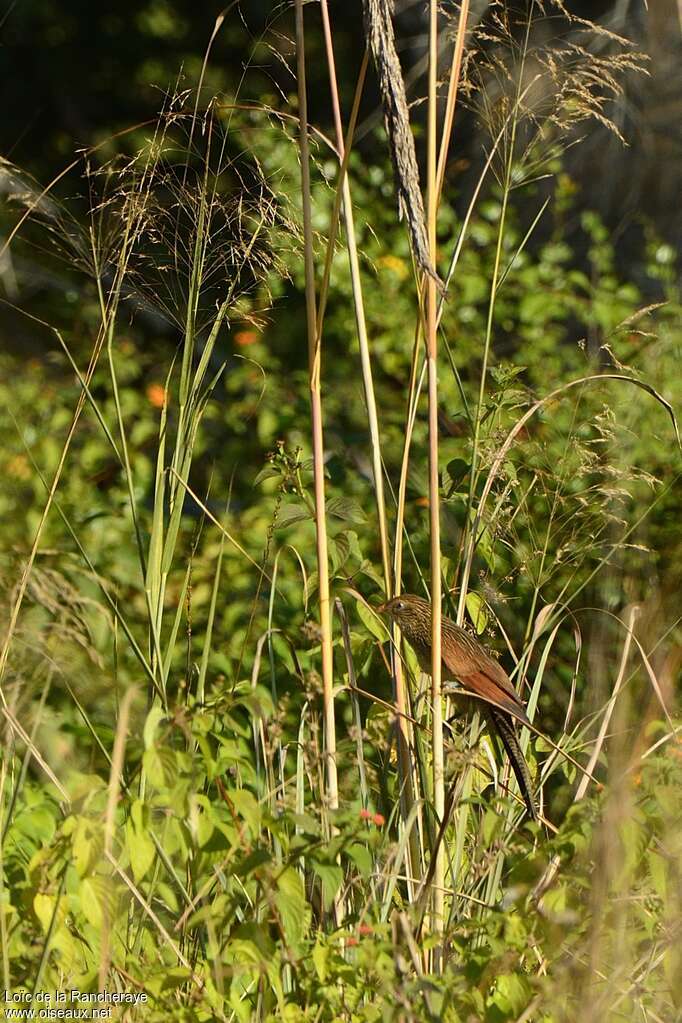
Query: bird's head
[409, 612]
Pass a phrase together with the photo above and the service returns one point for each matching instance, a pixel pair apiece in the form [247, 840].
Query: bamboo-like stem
[416, 834]
[434, 507]
[358, 303]
[404, 728]
[314, 357]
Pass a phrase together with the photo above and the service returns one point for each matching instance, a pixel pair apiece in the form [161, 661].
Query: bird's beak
[381, 608]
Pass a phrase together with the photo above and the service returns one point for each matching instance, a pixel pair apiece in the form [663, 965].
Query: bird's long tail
[504, 726]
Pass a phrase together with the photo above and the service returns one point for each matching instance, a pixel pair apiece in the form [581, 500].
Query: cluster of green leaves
[222, 900]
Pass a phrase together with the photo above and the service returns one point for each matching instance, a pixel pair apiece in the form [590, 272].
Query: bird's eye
[400, 605]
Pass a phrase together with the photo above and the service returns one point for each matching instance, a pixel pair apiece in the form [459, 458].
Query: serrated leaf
[289, 514]
[346, 508]
[368, 569]
[339, 550]
[292, 907]
[160, 766]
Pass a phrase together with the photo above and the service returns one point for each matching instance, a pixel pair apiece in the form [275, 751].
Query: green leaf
[658, 869]
[160, 767]
[140, 846]
[456, 470]
[151, 725]
[268, 472]
[87, 843]
[346, 508]
[44, 908]
[97, 893]
[246, 806]
[168, 979]
[512, 994]
[331, 876]
[321, 961]
[476, 610]
[339, 550]
[371, 622]
[361, 857]
[292, 513]
[292, 907]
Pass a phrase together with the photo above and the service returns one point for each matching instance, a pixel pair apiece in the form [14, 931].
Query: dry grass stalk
[437, 752]
[314, 365]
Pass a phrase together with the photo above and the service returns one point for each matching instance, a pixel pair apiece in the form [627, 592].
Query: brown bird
[464, 660]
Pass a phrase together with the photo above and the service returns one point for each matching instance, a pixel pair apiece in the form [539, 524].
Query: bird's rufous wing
[467, 661]
[479, 684]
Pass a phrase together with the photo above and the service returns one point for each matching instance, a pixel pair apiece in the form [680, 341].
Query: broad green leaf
[347, 509]
[456, 470]
[44, 907]
[87, 843]
[361, 857]
[160, 766]
[331, 876]
[372, 622]
[97, 894]
[292, 513]
[321, 961]
[292, 907]
[658, 870]
[246, 806]
[268, 472]
[139, 845]
[151, 725]
[476, 610]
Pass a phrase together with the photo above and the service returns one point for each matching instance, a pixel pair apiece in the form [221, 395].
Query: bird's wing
[467, 661]
[479, 684]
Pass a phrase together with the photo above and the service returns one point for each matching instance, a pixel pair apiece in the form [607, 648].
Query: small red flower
[246, 337]
[351, 941]
[365, 929]
[366, 815]
[379, 820]
[156, 395]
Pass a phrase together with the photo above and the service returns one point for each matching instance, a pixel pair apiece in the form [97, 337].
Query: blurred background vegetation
[221, 810]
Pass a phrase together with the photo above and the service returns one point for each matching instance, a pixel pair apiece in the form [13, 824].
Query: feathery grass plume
[549, 84]
[379, 30]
